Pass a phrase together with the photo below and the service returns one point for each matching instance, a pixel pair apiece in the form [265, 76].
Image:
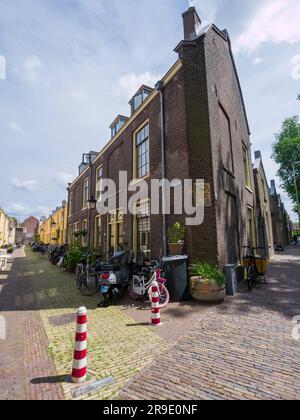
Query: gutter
[160, 88]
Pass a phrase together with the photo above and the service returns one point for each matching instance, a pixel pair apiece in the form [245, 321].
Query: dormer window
[117, 125]
[141, 95]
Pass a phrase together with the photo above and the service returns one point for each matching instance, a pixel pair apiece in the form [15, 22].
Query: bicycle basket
[261, 265]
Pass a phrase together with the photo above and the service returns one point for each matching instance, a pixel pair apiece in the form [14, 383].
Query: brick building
[53, 230]
[280, 219]
[197, 113]
[31, 226]
[5, 226]
[263, 207]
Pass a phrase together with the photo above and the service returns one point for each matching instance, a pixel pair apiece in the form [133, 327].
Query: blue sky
[72, 66]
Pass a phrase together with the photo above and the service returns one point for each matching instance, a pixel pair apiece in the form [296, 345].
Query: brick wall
[205, 131]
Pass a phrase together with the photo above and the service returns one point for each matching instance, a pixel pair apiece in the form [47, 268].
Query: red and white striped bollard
[155, 312]
[79, 371]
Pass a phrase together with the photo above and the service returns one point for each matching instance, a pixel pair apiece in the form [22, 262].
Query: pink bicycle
[140, 285]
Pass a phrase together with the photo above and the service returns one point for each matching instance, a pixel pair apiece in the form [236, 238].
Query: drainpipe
[160, 87]
[89, 207]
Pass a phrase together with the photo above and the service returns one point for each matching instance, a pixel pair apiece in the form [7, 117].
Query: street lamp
[296, 188]
[92, 203]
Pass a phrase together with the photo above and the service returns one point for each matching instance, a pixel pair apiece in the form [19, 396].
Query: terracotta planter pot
[207, 290]
[175, 249]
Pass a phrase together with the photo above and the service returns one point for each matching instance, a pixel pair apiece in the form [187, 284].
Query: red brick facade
[206, 137]
[31, 228]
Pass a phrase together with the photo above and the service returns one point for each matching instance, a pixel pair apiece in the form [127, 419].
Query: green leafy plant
[74, 256]
[207, 272]
[286, 151]
[176, 233]
[10, 249]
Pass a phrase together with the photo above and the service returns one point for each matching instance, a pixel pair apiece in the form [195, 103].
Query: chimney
[257, 155]
[191, 24]
[273, 184]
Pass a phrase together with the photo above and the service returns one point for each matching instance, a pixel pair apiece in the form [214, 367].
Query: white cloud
[257, 60]
[26, 186]
[2, 67]
[22, 211]
[77, 95]
[206, 10]
[296, 67]
[31, 69]
[15, 127]
[62, 179]
[131, 82]
[275, 21]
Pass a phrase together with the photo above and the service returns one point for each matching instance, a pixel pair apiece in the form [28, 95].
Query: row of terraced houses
[191, 125]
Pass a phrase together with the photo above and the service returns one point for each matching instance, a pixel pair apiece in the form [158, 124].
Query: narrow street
[242, 349]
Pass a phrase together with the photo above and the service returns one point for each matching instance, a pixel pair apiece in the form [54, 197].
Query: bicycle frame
[141, 286]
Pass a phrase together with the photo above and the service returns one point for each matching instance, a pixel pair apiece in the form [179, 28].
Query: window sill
[138, 180]
[249, 190]
[228, 171]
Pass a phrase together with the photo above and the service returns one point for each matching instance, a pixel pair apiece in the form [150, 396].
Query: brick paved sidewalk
[24, 354]
[242, 349]
[39, 303]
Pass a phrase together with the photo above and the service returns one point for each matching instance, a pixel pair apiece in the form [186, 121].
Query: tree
[15, 220]
[286, 151]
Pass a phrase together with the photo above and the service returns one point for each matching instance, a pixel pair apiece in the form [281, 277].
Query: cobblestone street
[242, 349]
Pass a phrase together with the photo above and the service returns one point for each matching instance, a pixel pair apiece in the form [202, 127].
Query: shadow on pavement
[33, 283]
[51, 380]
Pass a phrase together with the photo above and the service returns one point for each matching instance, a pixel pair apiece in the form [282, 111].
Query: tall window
[115, 231]
[143, 228]
[70, 235]
[76, 230]
[142, 152]
[97, 236]
[268, 227]
[247, 167]
[84, 236]
[85, 193]
[99, 182]
[251, 227]
[71, 204]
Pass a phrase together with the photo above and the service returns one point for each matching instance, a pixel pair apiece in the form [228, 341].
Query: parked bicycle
[88, 276]
[142, 279]
[255, 267]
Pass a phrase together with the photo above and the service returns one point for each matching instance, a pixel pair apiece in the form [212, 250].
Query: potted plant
[207, 283]
[176, 234]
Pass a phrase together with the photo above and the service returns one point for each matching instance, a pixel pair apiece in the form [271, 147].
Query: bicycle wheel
[79, 272]
[251, 277]
[88, 286]
[132, 294]
[164, 296]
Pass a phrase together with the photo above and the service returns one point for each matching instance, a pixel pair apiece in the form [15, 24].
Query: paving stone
[243, 349]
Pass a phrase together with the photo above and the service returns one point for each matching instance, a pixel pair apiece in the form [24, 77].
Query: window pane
[147, 131]
[143, 229]
[142, 141]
